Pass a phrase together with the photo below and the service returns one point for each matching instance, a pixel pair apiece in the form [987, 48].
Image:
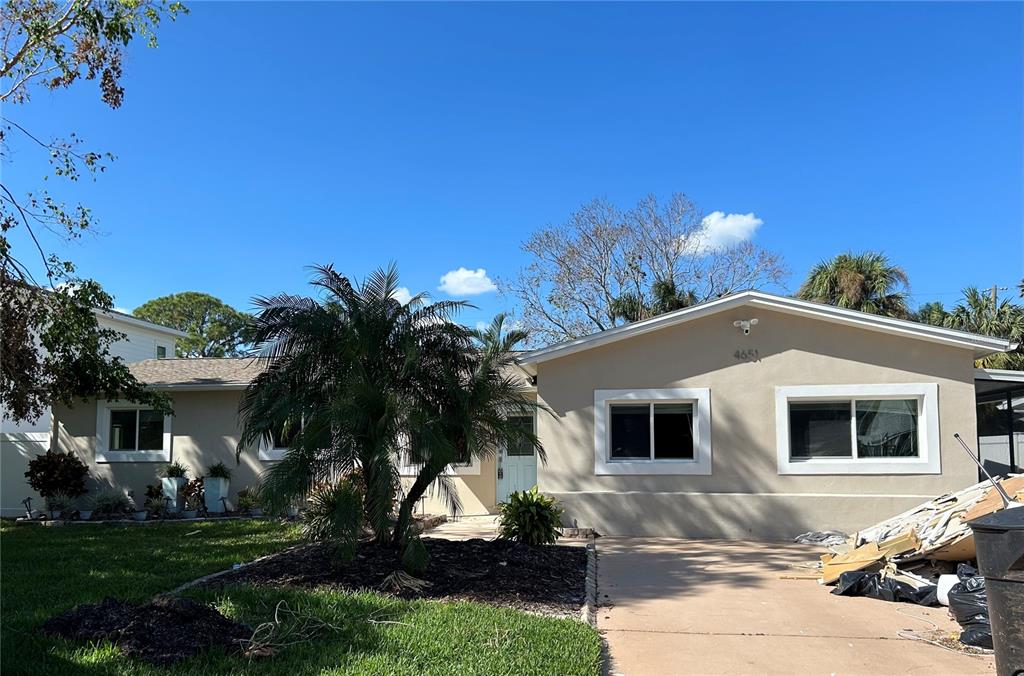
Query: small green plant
[530, 517]
[52, 473]
[109, 502]
[219, 471]
[58, 502]
[247, 500]
[175, 470]
[335, 513]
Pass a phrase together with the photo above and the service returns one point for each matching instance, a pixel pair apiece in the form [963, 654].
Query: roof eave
[141, 323]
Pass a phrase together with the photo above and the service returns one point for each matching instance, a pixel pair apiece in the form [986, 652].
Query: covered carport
[1000, 399]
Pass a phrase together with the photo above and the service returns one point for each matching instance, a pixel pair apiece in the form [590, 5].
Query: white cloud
[122, 310]
[720, 230]
[402, 295]
[463, 282]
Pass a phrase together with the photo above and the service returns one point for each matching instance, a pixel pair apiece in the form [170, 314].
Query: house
[751, 415]
[21, 442]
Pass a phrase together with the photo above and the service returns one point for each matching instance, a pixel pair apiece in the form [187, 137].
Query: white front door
[517, 467]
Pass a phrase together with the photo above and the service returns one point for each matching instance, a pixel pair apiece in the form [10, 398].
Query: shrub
[58, 502]
[219, 471]
[247, 499]
[335, 513]
[175, 470]
[154, 498]
[109, 502]
[194, 494]
[530, 517]
[52, 473]
[415, 556]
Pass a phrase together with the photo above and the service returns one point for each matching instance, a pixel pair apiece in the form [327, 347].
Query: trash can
[999, 541]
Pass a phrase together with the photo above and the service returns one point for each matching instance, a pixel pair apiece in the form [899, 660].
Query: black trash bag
[969, 605]
[873, 585]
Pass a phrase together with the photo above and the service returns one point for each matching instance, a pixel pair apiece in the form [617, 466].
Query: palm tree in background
[342, 374]
[867, 282]
[933, 313]
[979, 312]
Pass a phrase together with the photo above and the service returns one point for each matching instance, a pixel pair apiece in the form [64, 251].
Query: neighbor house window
[161, 352]
[860, 429]
[663, 431]
[131, 433]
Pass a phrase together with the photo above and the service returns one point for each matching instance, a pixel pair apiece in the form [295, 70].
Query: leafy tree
[347, 374]
[52, 44]
[978, 312]
[867, 282]
[466, 415]
[931, 313]
[604, 267]
[214, 328]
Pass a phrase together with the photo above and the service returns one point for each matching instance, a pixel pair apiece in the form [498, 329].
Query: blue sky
[261, 138]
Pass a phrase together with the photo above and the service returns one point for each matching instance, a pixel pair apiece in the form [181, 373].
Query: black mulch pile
[549, 579]
[163, 631]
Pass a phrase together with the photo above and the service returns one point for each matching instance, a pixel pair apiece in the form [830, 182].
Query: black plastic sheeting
[969, 605]
[873, 585]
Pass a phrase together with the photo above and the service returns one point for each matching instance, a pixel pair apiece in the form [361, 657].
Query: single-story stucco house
[751, 415]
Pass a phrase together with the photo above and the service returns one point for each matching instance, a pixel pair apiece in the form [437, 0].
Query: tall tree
[867, 282]
[931, 313]
[215, 329]
[603, 267]
[978, 312]
[53, 349]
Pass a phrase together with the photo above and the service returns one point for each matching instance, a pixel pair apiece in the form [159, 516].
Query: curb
[588, 613]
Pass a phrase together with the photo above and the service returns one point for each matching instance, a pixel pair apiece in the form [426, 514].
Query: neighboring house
[699, 422]
[21, 442]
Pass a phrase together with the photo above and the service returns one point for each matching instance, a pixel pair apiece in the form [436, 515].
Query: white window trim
[700, 397]
[927, 396]
[268, 453]
[103, 452]
[472, 469]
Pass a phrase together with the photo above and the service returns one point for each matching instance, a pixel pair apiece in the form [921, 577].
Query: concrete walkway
[675, 606]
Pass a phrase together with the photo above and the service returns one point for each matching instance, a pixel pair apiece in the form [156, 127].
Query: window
[664, 431]
[131, 433]
[858, 429]
[522, 448]
[161, 352]
[281, 438]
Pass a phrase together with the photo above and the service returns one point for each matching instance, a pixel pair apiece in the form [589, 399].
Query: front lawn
[48, 570]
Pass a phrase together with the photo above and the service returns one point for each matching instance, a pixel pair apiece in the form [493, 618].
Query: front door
[517, 467]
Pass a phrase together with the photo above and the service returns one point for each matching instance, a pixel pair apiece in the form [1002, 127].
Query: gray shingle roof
[200, 373]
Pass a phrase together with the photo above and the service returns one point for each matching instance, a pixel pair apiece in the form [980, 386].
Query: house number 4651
[746, 355]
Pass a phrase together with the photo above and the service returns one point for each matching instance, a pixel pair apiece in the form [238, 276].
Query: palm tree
[980, 313]
[931, 313]
[342, 374]
[867, 282]
[469, 416]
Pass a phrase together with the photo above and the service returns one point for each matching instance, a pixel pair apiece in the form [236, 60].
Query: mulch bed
[163, 631]
[548, 579]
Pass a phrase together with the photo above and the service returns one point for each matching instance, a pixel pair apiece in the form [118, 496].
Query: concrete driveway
[675, 606]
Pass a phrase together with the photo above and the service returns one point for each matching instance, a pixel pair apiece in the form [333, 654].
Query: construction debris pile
[914, 556]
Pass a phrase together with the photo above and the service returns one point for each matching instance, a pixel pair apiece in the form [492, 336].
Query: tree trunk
[426, 477]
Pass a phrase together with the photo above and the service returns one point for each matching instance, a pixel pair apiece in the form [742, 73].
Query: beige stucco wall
[476, 492]
[745, 495]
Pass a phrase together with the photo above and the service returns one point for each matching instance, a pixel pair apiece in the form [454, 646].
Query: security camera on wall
[744, 325]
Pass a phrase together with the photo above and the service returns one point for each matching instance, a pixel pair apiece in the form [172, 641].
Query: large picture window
[858, 429]
[665, 431]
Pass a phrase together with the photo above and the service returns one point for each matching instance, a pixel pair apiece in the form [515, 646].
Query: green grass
[45, 571]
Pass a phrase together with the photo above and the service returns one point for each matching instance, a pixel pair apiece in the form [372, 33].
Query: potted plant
[173, 478]
[248, 501]
[56, 504]
[215, 486]
[192, 504]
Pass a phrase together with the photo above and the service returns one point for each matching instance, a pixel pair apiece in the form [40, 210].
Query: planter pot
[172, 489]
[54, 515]
[189, 513]
[215, 489]
[256, 511]
[293, 512]
[140, 516]
[85, 514]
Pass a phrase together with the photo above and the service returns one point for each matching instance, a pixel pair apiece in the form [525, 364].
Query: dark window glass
[161, 352]
[122, 430]
[523, 448]
[631, 431]
[673, 431]
[887, 428]
[284, 435]
[820, 430]
[151, 430]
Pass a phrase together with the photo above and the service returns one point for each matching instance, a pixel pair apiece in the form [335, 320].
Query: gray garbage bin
[999, 540]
